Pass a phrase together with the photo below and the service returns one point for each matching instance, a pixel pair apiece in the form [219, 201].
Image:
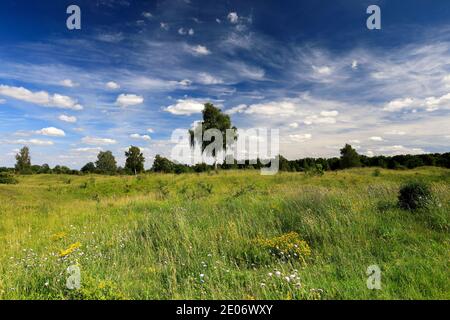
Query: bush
[6, 178]
[414, 195]
[287, 246]
[376, 173]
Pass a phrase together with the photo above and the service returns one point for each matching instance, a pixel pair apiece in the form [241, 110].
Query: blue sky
[140, 69]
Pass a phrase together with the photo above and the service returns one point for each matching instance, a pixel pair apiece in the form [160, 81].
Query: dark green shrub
[376, 173]
[414, 195]
[6, 178]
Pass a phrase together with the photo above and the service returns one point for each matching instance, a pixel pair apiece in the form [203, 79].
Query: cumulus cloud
[206, 78]
[66, 118]
[300, 137]
[69, 83]
[333, 113]
[147, 15]
[52, 132]
[151, 130]
[41, 98]
[127, 100]
[112, 85]
[429, 103]
[376, 138]
[233, 17]
[322, 70]
[184, 32]
[399, 104]
[293, 125]
[186, 107]
[198, 50]
[140, 137]
[98, 141]
[355, 64]
[185, 83]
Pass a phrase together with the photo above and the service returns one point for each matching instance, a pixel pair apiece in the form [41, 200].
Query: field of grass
[208, 236]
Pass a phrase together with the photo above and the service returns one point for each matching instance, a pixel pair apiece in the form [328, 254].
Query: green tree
[135, 160]
[23, 164]
[106, 163]
[161, 164]
[88, 168]
[44, 169]
[213, 118]
[349, 157]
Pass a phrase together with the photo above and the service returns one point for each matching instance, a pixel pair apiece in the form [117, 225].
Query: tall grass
[194, 236]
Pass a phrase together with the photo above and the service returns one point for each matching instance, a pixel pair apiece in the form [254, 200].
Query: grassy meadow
[225, 235]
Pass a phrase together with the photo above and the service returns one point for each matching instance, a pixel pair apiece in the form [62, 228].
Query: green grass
[152, 237]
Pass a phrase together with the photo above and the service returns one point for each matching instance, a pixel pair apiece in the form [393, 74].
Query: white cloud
[140, 137]
[2, 101]
[34, 142]
[293, 125]
[150, 130]
[396, 132]
[238, 109]
[429, 103]
[185, 82]
[88, 150]
[432, 103]
[233, 17]
[198, 50]
[399, 149]
[98, 141]
[164, 26]
[333, 113]
[245, 71]
[111, 37]
[126, 100]
[65, 118]
[52, 132]
[191, 32]
[399, 104]
[69, 83]
[186, 107]
[147, 15]
[41, 98]
[112, 85]
[282, 108]
[300, 137]
[206, 78]
[376, 138]
[323, 70]
[355, 64]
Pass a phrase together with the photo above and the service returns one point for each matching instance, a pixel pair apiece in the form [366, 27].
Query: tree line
[213, 117]
[135, 160]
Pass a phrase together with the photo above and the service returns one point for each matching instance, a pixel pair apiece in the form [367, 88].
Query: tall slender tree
[23, 164]
[135, 160]
[213, 118]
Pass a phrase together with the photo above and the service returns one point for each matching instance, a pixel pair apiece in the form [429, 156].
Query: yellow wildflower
[70, 249]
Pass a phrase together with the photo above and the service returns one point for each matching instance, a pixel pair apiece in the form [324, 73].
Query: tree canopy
[23, 164]
[349, 157]
[135, 160]
[213, 118]
[106, 163]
